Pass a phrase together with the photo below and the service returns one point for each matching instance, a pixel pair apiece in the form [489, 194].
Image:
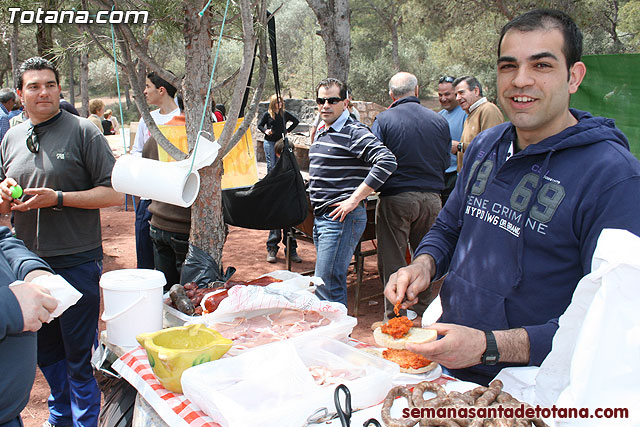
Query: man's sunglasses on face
[446, 79]
[332, 100]
[33, 143]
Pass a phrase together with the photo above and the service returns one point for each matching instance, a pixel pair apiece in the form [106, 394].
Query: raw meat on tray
[267, 328]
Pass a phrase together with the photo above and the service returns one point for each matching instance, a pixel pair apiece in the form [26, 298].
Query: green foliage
[301, 54]
[456, 55]
[630, 24]
[102, 77]
[455, 37]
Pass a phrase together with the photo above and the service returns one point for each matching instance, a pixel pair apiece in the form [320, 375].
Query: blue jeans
[274, 235]
[335, 243]
[277, 235]
[144, 246]
[64, 351]
[270, 153]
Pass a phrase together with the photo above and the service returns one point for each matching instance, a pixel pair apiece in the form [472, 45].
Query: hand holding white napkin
[61, 290]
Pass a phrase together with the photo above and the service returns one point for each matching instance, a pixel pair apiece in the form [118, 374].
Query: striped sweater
[341, 158]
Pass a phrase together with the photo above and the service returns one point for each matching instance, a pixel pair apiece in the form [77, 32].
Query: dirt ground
[245, 250]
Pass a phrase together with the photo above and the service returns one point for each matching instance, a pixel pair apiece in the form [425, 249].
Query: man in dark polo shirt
[346, 164]
[64, 164]
[410, 199]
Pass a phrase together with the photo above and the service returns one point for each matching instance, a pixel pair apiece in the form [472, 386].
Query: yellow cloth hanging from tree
[240, 167]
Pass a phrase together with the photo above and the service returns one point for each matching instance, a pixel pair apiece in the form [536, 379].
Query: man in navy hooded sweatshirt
[23, 308]
[521, 226]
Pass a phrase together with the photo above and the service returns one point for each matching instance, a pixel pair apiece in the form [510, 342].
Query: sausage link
[419, 389]
[398, 391]
[490, 395]
[461, 398]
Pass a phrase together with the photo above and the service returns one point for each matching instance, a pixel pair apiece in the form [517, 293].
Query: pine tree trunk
[127, 95]
[333, 18]
[394, 47]
[84, 84]
[72, 81]
[13, 52]
[44, 41]
[208, 230]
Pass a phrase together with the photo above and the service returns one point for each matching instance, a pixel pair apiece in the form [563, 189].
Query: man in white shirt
[160, 93]
[157, 92]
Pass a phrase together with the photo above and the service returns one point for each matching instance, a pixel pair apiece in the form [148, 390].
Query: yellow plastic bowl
[171, 351]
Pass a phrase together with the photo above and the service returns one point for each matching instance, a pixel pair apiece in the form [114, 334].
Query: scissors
[345, 414]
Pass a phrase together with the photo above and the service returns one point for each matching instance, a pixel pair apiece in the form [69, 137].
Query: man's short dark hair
[471, 81]
[328, 82]
[159, 82]
[7, 95]
[180, 103]
[548, 19]
[36, 63]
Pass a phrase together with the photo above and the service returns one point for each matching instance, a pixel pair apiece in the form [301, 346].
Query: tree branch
[145, 58]
[227, 80]
[257, 94]
[135, 46]
[94, 37]
[243, 77]
[504, 9]
[138, 96]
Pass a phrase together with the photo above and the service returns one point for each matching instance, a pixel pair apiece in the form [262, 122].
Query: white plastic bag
[272, 385]
[292, 281]
[266, 299]
[255, 388]
[596, 350]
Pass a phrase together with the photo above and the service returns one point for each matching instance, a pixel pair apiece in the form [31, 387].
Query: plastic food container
[239, 390]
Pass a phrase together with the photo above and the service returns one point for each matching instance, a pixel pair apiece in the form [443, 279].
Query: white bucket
[132, 304]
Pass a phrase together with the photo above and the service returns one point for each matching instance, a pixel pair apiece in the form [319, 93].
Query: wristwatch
[59, 205]
[491, 355]
[460, 147]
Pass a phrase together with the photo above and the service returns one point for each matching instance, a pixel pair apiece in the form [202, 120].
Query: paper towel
[60, 289]
[169, 182]
[595, 353]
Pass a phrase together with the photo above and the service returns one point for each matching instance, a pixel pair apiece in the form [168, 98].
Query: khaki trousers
[402, 221]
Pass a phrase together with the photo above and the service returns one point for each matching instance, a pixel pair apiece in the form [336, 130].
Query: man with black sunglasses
[64, 164]
[346, 164]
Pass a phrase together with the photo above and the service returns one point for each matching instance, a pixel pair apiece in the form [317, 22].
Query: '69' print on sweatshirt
[517, 235]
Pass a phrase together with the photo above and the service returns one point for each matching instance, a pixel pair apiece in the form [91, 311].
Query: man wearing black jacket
[410, 198]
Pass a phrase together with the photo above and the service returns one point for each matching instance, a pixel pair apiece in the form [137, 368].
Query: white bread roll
[414, 336]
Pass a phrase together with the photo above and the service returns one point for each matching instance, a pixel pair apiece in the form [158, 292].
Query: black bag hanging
[279, 200]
